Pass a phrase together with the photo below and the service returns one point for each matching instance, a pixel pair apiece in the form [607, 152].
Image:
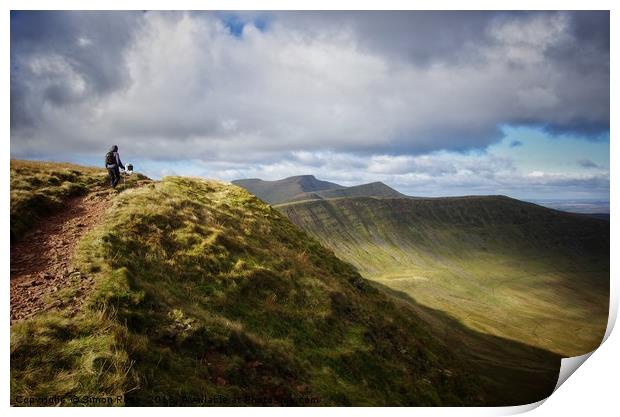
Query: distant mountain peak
[308, 187]
[286, 189]
[378, 183]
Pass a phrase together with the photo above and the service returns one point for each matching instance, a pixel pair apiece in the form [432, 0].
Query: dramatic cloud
[247, 89]
[62, 59]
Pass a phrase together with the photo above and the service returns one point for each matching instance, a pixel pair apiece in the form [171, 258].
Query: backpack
[110, 159]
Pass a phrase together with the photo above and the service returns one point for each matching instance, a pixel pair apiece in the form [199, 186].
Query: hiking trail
[41, 260]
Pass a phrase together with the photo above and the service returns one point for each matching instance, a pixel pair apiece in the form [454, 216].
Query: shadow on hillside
[512, 373]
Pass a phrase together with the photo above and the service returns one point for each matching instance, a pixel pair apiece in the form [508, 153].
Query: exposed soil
[41, 261]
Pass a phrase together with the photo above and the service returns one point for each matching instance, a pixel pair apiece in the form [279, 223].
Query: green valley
[501, 266]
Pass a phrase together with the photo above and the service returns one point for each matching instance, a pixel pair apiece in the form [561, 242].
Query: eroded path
[41, 261]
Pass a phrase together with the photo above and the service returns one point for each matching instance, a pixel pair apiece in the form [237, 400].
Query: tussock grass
[52, 355]
[204, 290]
[39, 189]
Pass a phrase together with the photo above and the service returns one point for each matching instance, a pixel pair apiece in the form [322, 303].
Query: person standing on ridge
[113, 163]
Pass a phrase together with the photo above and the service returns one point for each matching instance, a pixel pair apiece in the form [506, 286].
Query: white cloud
[208, 93]
[358, 96]
[84, 41]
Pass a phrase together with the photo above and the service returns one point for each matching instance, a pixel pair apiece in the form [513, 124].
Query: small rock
[46, 275]
[75, 275]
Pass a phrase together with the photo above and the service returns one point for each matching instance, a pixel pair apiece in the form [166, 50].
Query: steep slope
[501, 266]
[61, 202]
[202, 291]
[274, 192]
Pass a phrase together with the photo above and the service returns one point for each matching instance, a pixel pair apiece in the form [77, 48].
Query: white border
[591, 391]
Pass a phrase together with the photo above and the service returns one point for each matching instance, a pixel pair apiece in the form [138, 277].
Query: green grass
[513, 373]
[55, 355]
[502, 267]
[39, 189]
[204, 290]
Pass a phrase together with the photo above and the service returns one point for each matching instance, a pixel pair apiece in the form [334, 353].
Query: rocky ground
[41, 261]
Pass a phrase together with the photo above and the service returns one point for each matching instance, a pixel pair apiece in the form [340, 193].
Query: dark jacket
[114, 150]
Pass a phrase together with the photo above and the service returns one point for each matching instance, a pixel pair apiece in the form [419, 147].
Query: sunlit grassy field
[500, 266]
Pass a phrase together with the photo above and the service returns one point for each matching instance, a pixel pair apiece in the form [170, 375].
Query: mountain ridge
[375, 189]
[308, 187]
[459, 253]
[277, 191]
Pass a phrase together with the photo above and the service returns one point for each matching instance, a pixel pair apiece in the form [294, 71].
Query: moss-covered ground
[203, 291]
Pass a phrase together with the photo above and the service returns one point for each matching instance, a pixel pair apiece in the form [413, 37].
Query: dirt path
[41, 261]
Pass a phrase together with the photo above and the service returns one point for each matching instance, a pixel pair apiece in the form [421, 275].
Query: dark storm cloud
[68, 33]
[592, 130]
[421, 37]
[229, 85]
[63, 58]
[592, 29]
[582, 53]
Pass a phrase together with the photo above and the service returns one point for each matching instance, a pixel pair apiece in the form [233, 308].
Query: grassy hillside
[203, 290]
[275, 192]
[501, 266]
[40, 188]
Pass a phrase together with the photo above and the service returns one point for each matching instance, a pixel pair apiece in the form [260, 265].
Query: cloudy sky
[431, 103]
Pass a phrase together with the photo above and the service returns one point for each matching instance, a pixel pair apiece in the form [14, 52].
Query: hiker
[113, 163]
